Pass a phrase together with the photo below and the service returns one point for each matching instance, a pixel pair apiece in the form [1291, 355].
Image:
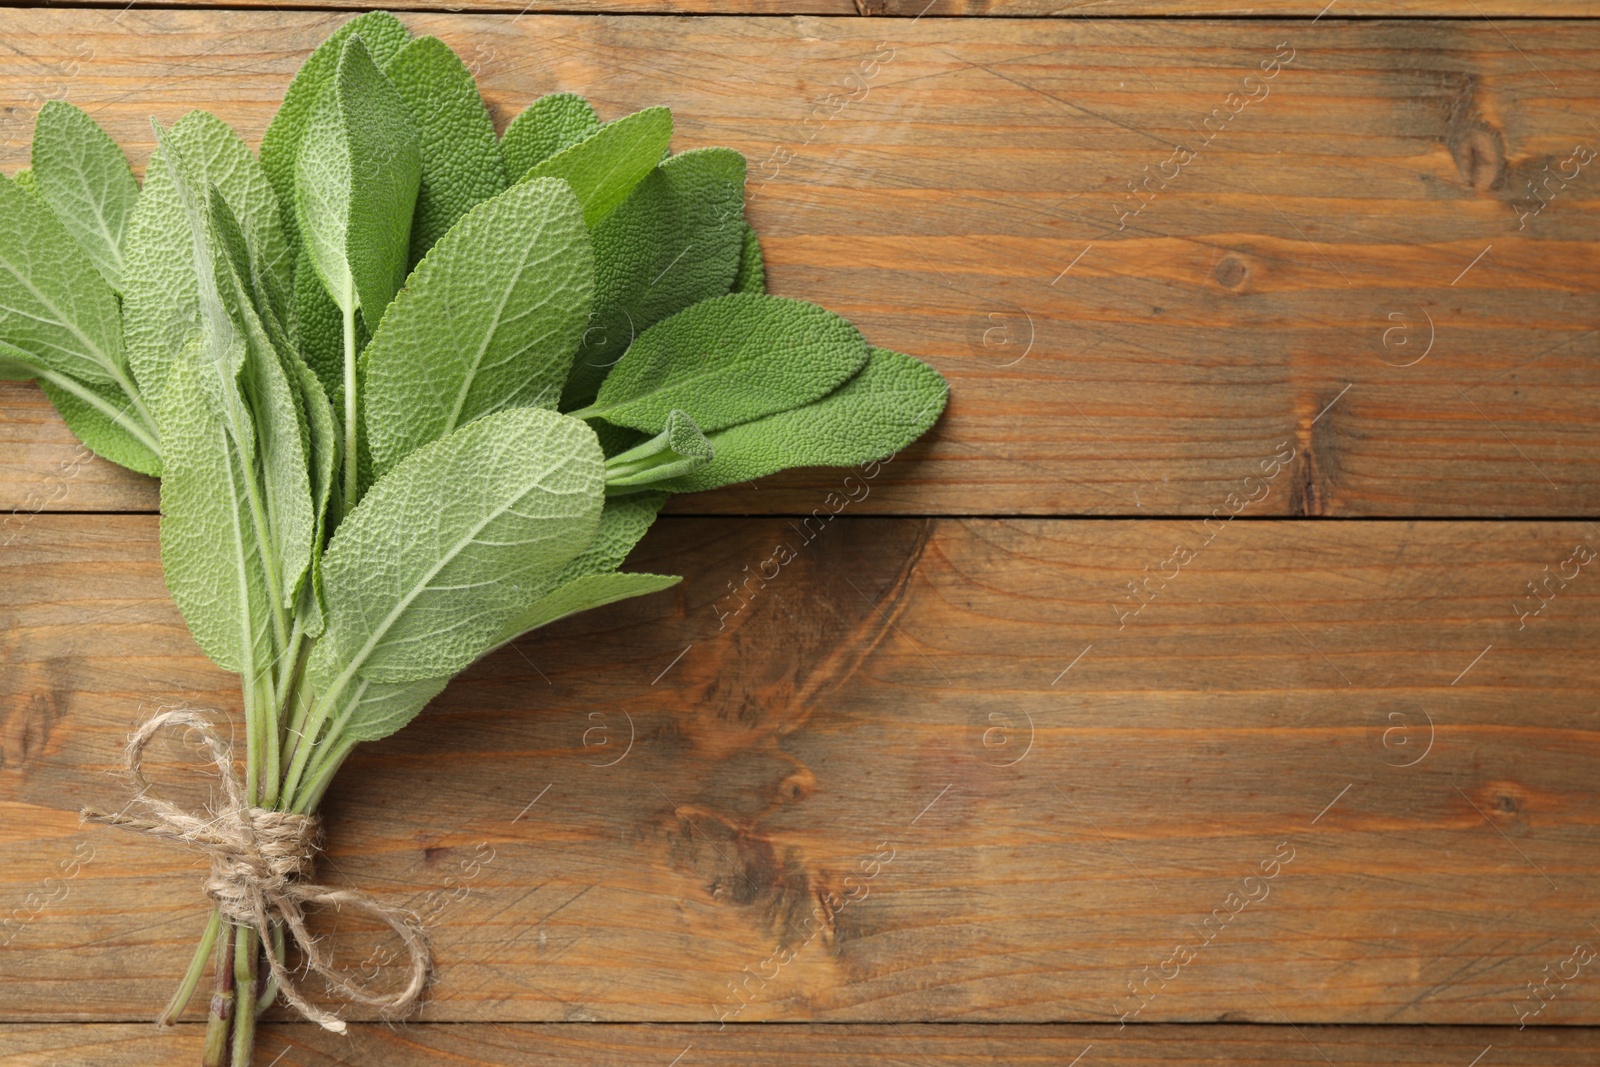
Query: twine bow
[261, 863]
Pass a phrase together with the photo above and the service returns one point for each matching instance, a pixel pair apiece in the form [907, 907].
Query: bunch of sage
[412, 389]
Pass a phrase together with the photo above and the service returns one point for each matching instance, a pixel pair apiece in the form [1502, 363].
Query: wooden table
[1227, 655]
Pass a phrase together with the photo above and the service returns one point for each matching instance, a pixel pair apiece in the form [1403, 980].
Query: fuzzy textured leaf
[547, 126]
[55, 308]
[490, 318]
[104, 419]
[161, 296]
[84, 177]
[461, 164]
[729, 360]
[384, 36]
[356, 186]
[603, 169]
[624, 520]
[590, 591]
[378, 709]
[752, 275]
[888, 405]
[674, 242]
[423, 575]
[210, 554]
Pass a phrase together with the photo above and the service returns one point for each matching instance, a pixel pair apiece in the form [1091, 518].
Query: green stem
[321, 777]
[245, 949]
[191, 977]
[219, 1024]
[306, 741]
[260, 722]
[269, 992]
[350, 402]
[297, 704]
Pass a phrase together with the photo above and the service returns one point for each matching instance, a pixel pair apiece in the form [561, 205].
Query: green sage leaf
[547, 126]
[378, 709]
[84, 177]
[422, 576]
[673, 242]
[881, 410]
[581, 594]
[210, 551]
[490, 318]
[729, 360]
[55, 308]
[603, 169]
[280, 419]
[752, 275]
[104, 419]
[461, 164]
[383, 36]
[356, 186]
[590, 580]
[161, 289]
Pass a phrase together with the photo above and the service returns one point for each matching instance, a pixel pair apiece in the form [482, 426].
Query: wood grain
[643, 813]
[917, 9]
[1360, 214]
[519, 1045]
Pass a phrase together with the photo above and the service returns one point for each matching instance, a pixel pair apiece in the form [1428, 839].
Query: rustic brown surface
[618, 823]
[823, 1046]
[1059, 819]
[1327, 224]
[1082, 9]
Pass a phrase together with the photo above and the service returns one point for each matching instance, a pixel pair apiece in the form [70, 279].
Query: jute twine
[261, 863]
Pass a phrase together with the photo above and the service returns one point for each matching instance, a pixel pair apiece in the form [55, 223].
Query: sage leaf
[103, 418]
[490, 318]
[324, 451]
[210, 551]
[383, 36]
[581, 594]
[84, 177]
[673, 242]
[424, 573]
[461, 164]
[55, 308]
[604, 168]
[547, 126]
[377, 709]
[26, 180]
[623, 522]
[161, 288]
[356, 186]
[729, 360]
[889, 404]
[15, 365]
[280, 421]
[752, 275]
[590, 580]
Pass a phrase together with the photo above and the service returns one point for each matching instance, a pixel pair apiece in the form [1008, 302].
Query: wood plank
[644, 813]
[590, 1045]
[1359, 215]
[917, 9]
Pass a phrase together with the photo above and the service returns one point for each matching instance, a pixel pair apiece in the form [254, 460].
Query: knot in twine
[261, 863]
